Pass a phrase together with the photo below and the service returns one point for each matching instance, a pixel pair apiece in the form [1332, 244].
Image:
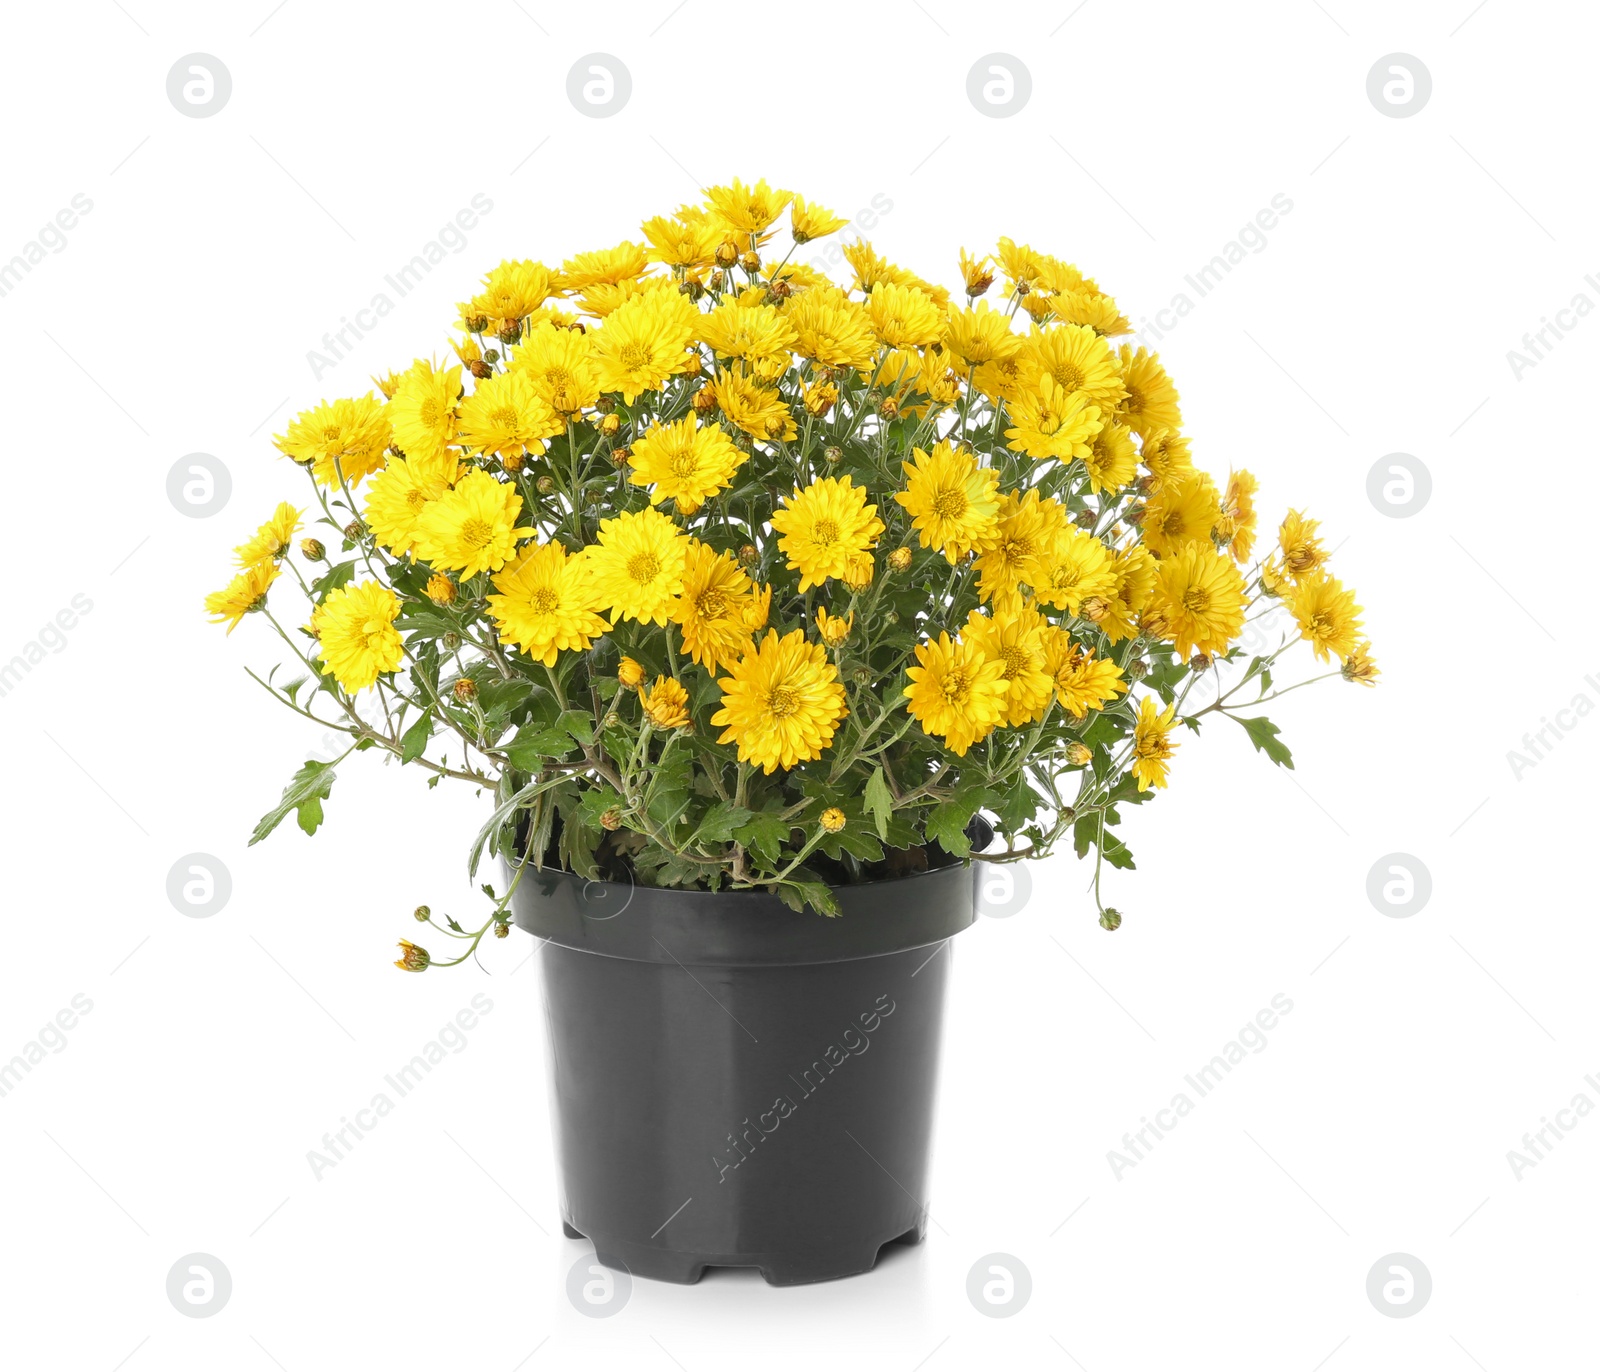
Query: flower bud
[630, 673]
[353, 530]
[1094, 608]
[441, 590]
[620, 457]
[611, 424]
[544, 485]
[781, 288]
[1138, 668]
[833, 819]
[611, 819]
[477, 323]
[480, 369]
[832, 455]
[412, 958]
[510, 331]
[513, 462]
[900, 559]
[705, 400]
[450, 642]
[1078, 755]
[312, 550]
[748, 554]
[727, 255]
[858, 572]
[465, 690]
[890, 408]
[751, 262]
[819, 398]
[1200, 662]
[1110, 918]
[422, 914]
[1085, 519]
[692, 365]
[611, 721]
[502, 929]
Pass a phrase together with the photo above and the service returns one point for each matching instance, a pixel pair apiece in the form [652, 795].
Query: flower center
[1067, 376]
[949, 504]
[683, 465]
[1014, 658]
[635, 356]
[416, 499]
[711, 605]
[430, 412]
[956, 686]
[1197, 600]
[477, 533]
[505, 417]
[544, 601]
[783, 701]
[644, 567]
[825, 531]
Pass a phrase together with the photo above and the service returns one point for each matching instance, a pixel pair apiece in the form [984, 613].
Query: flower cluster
[716, 572]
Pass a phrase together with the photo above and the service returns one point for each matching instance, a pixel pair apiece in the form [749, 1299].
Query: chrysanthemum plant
[714, 573]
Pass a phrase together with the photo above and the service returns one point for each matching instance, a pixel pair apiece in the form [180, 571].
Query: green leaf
[721, 822]
[1264, 734]
[415, 739]
[946, 825]
[764, 834]
[799, 894]
[879, 802]
[579, 724]
[529, 749]
[338, 575]
[304, 794]
[293, 687]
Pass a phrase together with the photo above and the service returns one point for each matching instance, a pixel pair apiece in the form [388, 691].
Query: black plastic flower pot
[736, 1084]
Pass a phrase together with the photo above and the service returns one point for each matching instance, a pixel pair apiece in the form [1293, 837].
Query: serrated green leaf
[879, 802]
[306, 791]
[336, 576]
[578, 723]
[528, 751]
[946, 825]
[764, 834]
[1264, 734]
[415, 739]
[721, 822]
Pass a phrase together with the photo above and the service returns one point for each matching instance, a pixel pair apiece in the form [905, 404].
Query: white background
[1377, 319]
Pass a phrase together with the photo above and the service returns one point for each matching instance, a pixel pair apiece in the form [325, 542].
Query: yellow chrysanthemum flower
[510, 292]
[1181, 513]
[356, 634]
[1051, 422]
[872, 270]
[1327, 613]
[558, 363]
[1002, 379]
[1201, 598]
[956, 693]
[782, 703]
[1302, 550]
[604, 267]
[472, 527]
[1152, 744]
[1020, 263]
[605, 297]
[1017, 642]
[685, 463]
[1152, 400]
[980, 334]
[747, 209]
[977, 273]
[1018, 554]
[834, 629]
[680, 242]
[666, 704]
[824, 526]
[246, 592]
[630, 674]
[831, 329]
[1082, 681]
[1359, 666]
[807, 221]
[643, 342]
[341, 439]
[757, 410]
[1076, 568]
[715, 609]
[1135, 574]
[271, 541]
[1237, 525]
[545, 605]
[1165, 454]
[396, 499]
[1093, 309]
[1076, 359]
[505, 417]
[422, 412]
[756, 334]
[637, 566]
[1112, 461]
[953, 502]
[903, 317]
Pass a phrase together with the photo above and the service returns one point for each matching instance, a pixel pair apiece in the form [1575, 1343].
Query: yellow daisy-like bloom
[1274, 580]
[824, 526]
[1302, 550]
[604, 267]
[1181, 513]
[355, 630]
[1017, 642]
[1094, 310]
[441, 590]
[544, 605]
[831, 329]
[872, 271]
[956, 693]
[1076, 568]
[505, 417]
[835, 629]
[747, 209]
[1002, 379]
[859, 569]
[1020, 263]
[782, 703]
[1200, 596]
[472, 527]
[807, 221]
[271, 541]
[422, 412]
[398, 496]
[644, 342]
[637, 566]
[685, 463]
[630, 674]
[1076, 359]
[756, 334]
[979, 334]
[557, 362]
[757, 410]
[1152, 746]
[759, 610]
[680, 242]
[1237, 525]
[903, 317]
[342, 438]
[246, 592]
[953, 503]
[1051, 422]
[715, 608]
[1359, 666]
[1082, 681]
[1018, 553]
[1152, 400]
[666, 704]
[1135, 573]
[510, 292]
[1327, 613]
[1112, 461]
[1165, 455]
[977, 273]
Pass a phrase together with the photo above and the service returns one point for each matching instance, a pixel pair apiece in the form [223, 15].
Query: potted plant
[756, 604]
